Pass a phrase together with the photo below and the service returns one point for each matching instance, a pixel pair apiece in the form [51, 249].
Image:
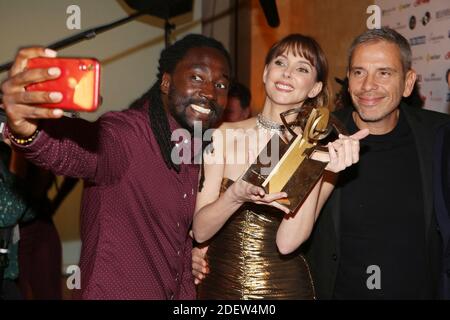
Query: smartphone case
[79, 82]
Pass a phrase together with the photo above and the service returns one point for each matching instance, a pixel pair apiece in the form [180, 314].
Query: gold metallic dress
[245, 263]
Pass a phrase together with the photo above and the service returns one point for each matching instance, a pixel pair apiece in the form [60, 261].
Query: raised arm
[71, 147]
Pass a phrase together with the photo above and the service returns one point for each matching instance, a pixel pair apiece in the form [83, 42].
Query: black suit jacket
[442, 202]
[322, 248]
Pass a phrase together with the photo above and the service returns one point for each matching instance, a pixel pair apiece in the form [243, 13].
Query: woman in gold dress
[251, 238]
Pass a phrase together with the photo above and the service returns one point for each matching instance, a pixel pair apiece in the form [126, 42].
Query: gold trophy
[295, 172]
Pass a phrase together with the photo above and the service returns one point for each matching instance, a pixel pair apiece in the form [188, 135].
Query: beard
[179, 104]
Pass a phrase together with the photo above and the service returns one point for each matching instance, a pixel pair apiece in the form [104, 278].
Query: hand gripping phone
[79, 82]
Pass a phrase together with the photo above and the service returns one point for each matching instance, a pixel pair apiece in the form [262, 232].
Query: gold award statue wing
[295, 173]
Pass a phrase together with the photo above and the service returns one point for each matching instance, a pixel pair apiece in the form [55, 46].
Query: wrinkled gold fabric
[245, 263]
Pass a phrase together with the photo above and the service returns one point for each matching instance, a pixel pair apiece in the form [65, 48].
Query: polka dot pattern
[136, 213]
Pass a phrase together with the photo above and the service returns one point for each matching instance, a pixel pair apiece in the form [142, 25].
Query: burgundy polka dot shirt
[136, 213]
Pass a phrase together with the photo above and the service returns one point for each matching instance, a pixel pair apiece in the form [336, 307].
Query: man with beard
[138, 202]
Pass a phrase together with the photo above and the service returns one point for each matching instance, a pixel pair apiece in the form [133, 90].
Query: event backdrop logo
[417, 40]
[443, 14]
[386, 12]
[432, 78]
[412, 22]
[436, 38]
[426, 18]
[431, 57]
[420, 2]
[403, 6]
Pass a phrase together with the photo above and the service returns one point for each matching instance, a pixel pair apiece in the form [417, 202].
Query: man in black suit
[377, 236]
[441, 184]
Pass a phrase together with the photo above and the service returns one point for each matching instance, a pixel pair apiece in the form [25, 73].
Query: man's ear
[165, 83]
[410, 79]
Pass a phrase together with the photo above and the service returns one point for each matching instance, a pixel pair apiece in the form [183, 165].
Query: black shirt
[382, 223]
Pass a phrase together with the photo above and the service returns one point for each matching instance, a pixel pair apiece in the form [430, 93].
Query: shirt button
[178, 252]
[178, 224]
[184, 196]
[171, 297]
[334, 257]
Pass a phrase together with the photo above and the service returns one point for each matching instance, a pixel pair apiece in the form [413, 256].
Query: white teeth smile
[200, 109]
[284, 86]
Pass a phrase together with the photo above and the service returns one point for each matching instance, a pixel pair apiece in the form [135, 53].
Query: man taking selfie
[137, 204]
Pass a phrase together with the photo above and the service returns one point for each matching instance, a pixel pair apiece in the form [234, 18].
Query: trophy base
[305, 174]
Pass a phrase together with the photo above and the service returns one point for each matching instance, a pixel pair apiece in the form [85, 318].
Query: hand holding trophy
[291, 167]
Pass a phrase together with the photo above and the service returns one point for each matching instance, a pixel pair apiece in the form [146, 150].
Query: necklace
[263, 122]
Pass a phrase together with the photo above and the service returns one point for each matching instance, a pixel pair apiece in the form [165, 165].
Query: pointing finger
[361, 134]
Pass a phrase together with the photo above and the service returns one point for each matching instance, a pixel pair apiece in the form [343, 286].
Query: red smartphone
[79, 82]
